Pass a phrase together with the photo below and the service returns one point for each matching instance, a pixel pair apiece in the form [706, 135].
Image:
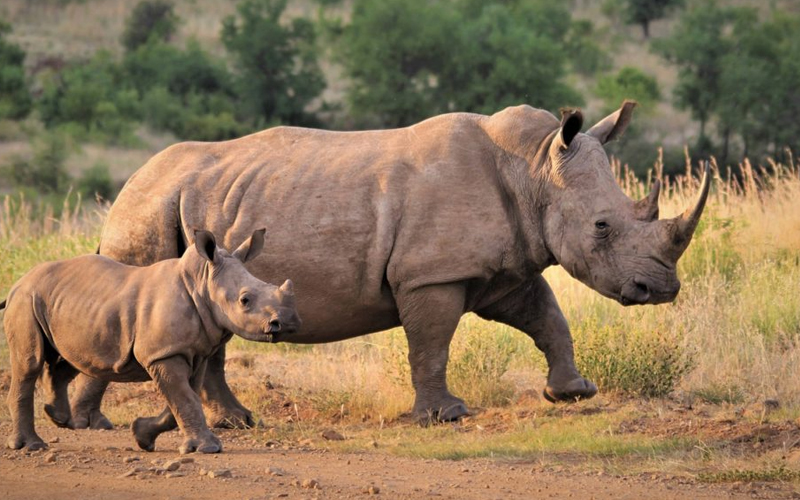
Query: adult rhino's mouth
[638, 291]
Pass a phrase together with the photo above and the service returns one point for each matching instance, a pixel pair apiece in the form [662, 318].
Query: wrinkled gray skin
[412, 227]
[130, 324]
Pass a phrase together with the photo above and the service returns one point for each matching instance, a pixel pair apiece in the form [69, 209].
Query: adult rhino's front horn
[678, 231]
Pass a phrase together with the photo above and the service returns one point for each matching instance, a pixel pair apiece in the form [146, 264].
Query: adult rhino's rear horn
[681, 228]
[647, 207]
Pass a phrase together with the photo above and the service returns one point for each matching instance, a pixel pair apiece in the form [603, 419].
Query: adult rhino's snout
[639, 291]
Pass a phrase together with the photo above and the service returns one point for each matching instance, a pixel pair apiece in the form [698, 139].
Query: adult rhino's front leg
[534, 310]
[430, 316]
[225, 411]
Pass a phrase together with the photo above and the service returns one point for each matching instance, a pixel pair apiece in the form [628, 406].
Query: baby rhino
[121, 323]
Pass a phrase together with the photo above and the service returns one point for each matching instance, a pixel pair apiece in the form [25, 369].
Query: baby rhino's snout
[284, 317]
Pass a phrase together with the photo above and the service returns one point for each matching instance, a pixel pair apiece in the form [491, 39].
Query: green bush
[277, 70]
[628, 83]
[45, 170]
[411, 59]
[96, 182]
[92, 101]
[150, 20]
[640, 362]
[478, 361]
[15, 98]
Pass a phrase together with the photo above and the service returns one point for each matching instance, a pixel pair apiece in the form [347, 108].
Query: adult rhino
[414, 227]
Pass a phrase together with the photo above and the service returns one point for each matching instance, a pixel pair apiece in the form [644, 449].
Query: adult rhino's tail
[2, 305]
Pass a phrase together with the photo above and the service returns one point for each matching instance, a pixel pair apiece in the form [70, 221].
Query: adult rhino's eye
[601, 225]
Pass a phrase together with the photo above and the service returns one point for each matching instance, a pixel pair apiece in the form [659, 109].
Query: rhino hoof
[576, 390]
[61, 419]
[211, 444]
[443, 413]
[30, 443]
[93, 420]
[144, 438]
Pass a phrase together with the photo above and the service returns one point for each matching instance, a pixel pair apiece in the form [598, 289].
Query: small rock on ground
[172, 465]
[274, 471]
[220, 473]
[332, 435]
[310, 484]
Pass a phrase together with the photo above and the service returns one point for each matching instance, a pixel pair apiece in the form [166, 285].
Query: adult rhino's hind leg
[225, 411]
[86, 404]
[26, 353]
[56, 378]
[534, 310]
[430, 316]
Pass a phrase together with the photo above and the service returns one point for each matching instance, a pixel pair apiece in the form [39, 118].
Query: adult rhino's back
[350, 215]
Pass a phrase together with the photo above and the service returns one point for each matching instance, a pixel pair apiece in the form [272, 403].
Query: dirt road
[105, 465]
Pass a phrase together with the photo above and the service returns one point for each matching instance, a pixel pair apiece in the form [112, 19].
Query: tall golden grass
[732, 335]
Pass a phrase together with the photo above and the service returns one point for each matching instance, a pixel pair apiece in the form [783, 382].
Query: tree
[747, 73]
[150, 19]
[511, 54]
[697, 46]
[15, 98]
[628, 83]
[393, 55]
[643, 12]
[411, 59]
[278, 74]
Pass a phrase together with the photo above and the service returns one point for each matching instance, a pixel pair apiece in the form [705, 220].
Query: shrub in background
[44, 170]
[150, 20]
[15, 98]
[96, 181]
[277, 73]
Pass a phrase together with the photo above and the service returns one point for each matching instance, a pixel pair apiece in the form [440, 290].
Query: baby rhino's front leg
[174, 379]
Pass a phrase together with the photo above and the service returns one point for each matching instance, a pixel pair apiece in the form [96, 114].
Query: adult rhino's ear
[251, 247]
[571, 123]
[206, 245]
[613, 125]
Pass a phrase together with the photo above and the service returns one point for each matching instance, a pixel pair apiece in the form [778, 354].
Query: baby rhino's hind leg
[57, 377]
[26, 350]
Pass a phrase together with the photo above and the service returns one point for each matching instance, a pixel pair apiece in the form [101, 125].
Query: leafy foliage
[278, 74]
[643, 12]
[45, 170]
[150, 20]
[628, 83]
[697, 46]
[96, 181]
[15, 98]
[92, 100]
[724, 52]
[186, 92]
[409, 60]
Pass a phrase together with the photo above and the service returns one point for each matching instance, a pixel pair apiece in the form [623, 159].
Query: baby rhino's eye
[244, 300]
[601, 224]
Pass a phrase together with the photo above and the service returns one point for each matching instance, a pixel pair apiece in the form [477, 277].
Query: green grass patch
[779, 473]
[587, 436]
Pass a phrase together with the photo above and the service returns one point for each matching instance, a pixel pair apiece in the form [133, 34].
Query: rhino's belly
[101, 369]
[331, 318]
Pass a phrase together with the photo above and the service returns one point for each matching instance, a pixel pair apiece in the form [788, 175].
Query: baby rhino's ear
[251, 247]
[206, 245]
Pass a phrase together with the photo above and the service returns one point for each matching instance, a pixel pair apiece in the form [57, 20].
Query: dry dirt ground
[106, 465]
